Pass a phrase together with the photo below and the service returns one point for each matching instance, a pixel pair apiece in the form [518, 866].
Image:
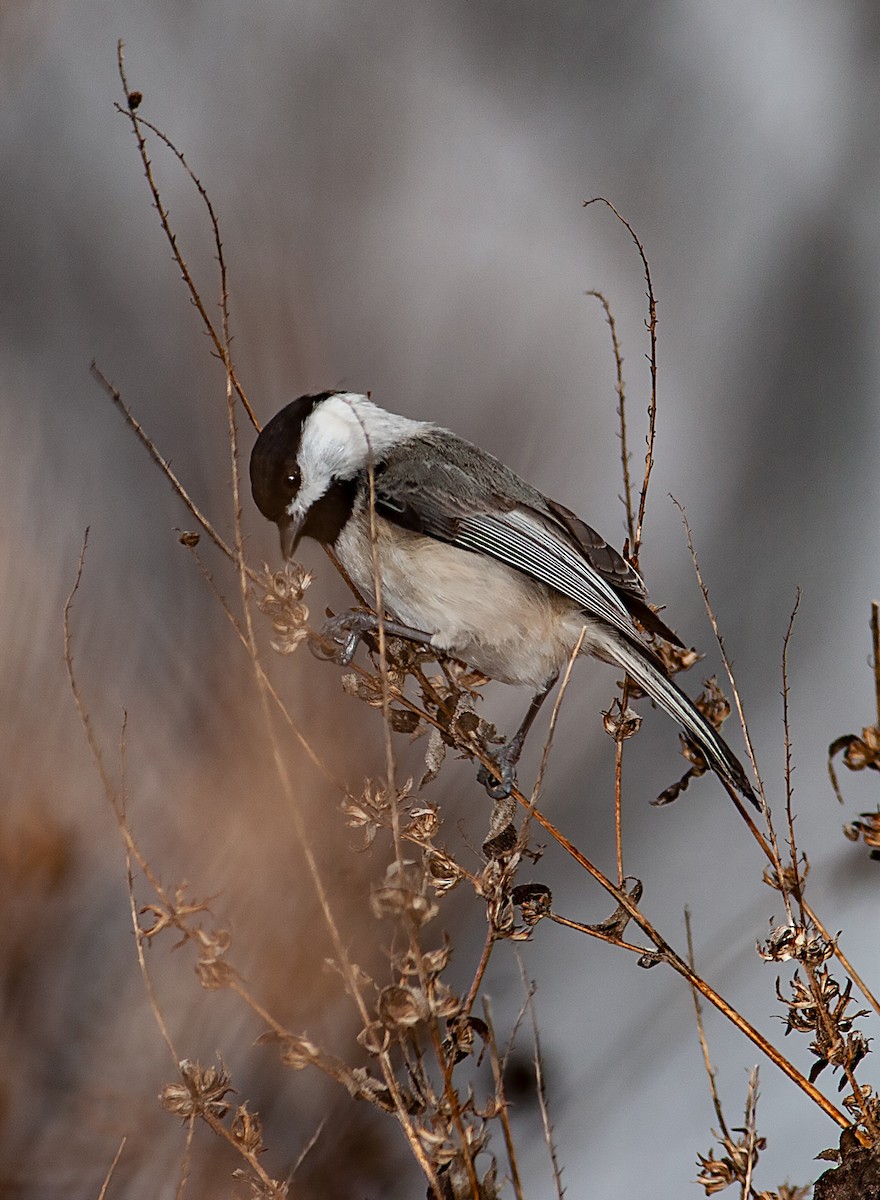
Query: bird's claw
[341, 635]
[501, 781]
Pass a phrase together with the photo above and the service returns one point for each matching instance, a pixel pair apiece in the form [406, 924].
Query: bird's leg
[346, 630]
[501, 784]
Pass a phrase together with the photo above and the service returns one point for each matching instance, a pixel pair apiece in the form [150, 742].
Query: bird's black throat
[328, 515]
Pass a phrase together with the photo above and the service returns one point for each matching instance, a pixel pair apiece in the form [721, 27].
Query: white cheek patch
[338, 440]
[333, 446]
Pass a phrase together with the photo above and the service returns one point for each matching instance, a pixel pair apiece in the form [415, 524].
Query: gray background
[400, 187]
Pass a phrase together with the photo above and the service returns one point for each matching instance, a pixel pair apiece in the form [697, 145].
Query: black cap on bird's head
[275, 472]
[274, 468]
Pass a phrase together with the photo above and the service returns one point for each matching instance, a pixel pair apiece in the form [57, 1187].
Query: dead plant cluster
[427, 1052]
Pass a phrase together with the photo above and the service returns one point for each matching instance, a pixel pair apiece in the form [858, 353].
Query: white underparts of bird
[473, 561]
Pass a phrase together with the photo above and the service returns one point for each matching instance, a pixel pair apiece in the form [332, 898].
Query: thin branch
[502, 1103]
[163, 464]
[540, 1081]
[185, 1165]
[875, 642]
[651, 326]
[597, 932]
[284, 712]
[221, 343]
[728, 666]
[621, 412]
[751, 1130]
[667, 954]
[308, 1148]
[796, 885]
[474, 989]
[106, 1184]
[548, 743]
[618, 784]
[701, 1032]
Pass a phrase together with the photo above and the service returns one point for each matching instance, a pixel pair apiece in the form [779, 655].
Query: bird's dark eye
[292, 477]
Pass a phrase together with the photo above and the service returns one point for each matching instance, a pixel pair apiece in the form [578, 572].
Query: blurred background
[400, 187]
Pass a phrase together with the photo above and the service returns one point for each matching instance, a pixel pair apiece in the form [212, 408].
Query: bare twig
[795, 884]
[161, 462]
[540, 1081]
[875, 643]
[502, 1102]
[665, 953]
[548, 742]
[474, 989]
[701, 1033]
[221, 342]
[618, 785]
[187, 1158]
[241, 634]
[651, 325]
[751, 1130]
[106, 1184]
[621, 412]
[728, 666]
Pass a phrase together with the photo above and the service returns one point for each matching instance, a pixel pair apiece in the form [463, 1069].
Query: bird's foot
[501, 780]
[341, 635]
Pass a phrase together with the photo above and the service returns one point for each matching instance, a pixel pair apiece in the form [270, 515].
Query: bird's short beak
[289, 531]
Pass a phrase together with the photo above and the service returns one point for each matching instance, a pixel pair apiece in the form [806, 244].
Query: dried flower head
[792, 878]
[868, 828]
[859, 752]
[282, 603]
[676, 658]
[403, 894]
[795, 941]
[534, 900]
[740, 1154]
[201, 1090]
[247, 1129]
[621, 723]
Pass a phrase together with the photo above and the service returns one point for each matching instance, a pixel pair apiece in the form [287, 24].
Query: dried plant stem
[158, 1016]
[618, 787]
[221, 342]
[117, 803]
[751, 1130]
[540, 1083]
[632, 533]
[241, 634]
[621, 412]
[721, 646]
[667, 954]
[418, 957]
[595, 931]
[187, 1158]
[770, 849]
[383, 658]
[875, 644]
[774, 853]
[701, 1033]
[106, 1184]
[795, 879]
[651, 325]
[163, 464]
[551, 730]
[502, 1102]
[473, 992]
[308, 1147]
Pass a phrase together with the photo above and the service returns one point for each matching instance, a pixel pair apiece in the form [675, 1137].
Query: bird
[473, 561]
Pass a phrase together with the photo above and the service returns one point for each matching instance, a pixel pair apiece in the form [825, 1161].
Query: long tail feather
[652, 679]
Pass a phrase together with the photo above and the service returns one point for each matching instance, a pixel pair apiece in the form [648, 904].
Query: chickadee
[473, 561]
